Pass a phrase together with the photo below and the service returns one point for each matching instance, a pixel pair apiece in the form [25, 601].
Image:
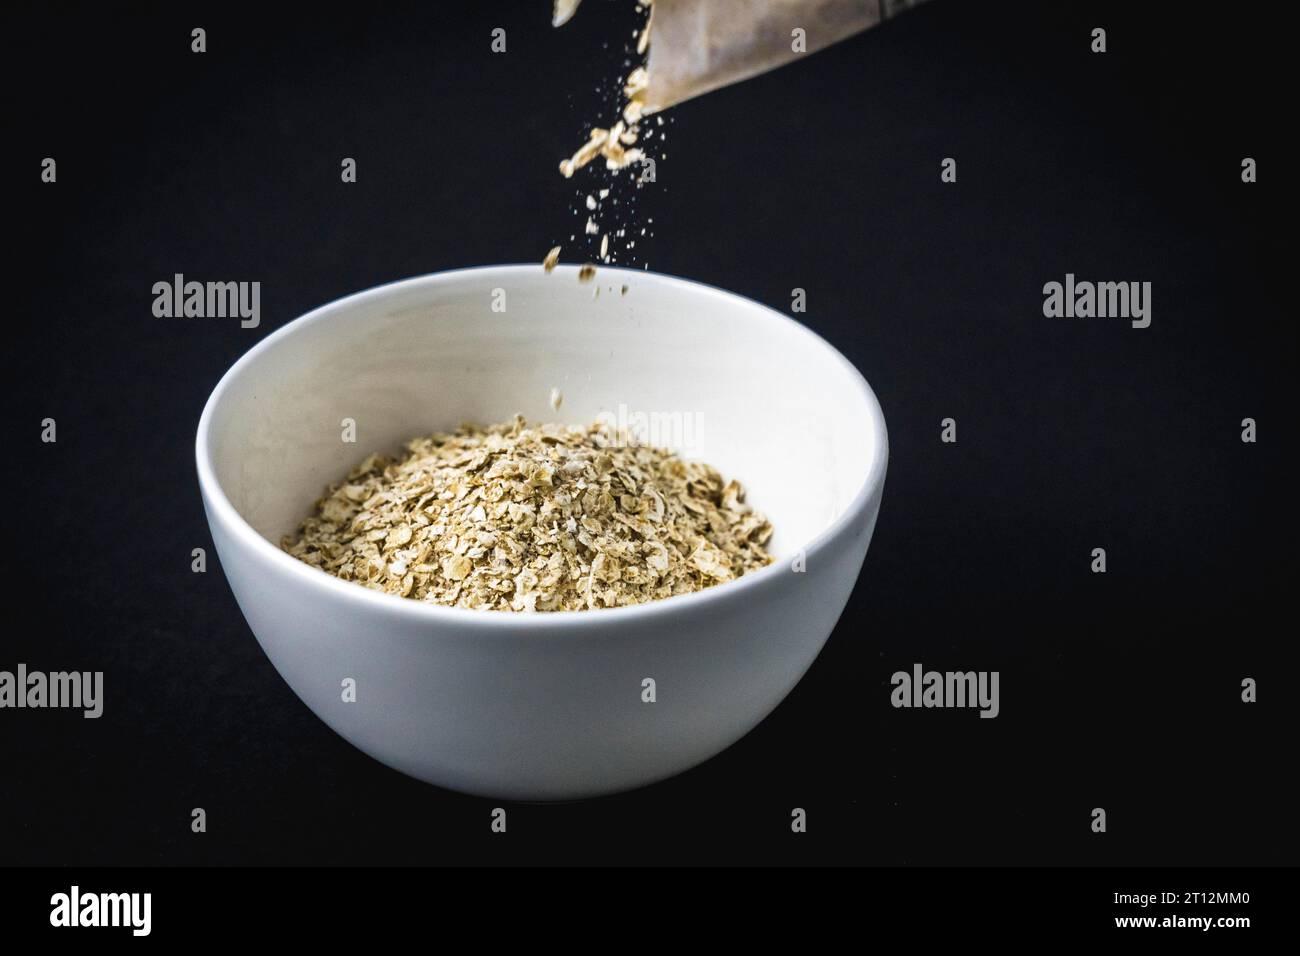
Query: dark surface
[1118, 690]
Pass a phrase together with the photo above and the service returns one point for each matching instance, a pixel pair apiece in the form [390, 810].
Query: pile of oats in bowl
[519, 517]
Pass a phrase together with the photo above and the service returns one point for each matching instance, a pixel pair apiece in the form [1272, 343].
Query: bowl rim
[224, 512]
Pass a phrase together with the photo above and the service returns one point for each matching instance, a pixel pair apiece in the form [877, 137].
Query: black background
[1119, 690]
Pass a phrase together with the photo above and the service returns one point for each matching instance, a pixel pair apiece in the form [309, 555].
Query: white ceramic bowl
[548, 705]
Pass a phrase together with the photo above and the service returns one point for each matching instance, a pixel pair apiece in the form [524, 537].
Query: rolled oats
[616, 144]
[520, 517]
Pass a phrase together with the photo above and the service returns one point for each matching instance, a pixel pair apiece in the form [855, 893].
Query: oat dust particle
[520, 517]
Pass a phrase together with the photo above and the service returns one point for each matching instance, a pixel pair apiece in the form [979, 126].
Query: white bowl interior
[709, 374]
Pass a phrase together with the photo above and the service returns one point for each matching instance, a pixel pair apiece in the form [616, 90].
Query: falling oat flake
[620, 144]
